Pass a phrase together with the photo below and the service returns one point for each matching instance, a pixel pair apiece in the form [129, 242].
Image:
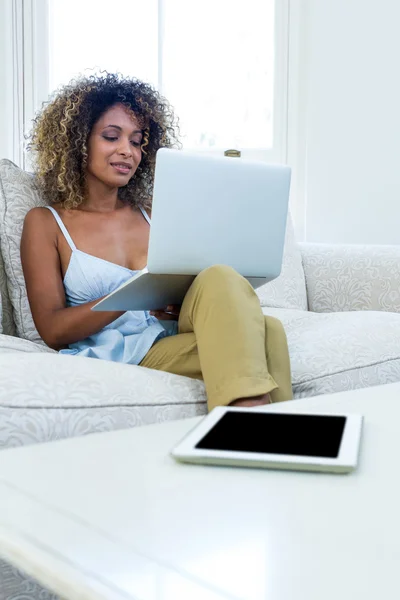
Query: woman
[94, 147]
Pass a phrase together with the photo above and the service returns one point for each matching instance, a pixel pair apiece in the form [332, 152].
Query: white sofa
[338, 305]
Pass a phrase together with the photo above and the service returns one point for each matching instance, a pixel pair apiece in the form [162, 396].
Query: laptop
[208, 210]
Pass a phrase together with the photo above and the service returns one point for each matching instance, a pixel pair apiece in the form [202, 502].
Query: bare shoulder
[40, 214]
[39, 227]
[40, 219]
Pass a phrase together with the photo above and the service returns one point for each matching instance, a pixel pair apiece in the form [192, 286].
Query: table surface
[111, 515]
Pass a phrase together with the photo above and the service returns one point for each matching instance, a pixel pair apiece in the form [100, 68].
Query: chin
[118, 182]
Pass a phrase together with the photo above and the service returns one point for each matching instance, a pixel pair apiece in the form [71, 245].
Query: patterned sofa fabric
[289, 289]
[61, 396]
[352, 277]
[1, 305]
[10, 343]
[6, 317]
[334, 352]
[17, 196]
[15, 585]
[45, 396]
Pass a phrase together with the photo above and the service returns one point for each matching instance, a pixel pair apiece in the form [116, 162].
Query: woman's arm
[57, 325]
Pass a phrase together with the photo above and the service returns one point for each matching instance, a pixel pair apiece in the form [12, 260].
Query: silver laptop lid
[215, 210]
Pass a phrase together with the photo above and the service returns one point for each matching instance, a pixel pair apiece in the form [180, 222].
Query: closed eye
[114, 139]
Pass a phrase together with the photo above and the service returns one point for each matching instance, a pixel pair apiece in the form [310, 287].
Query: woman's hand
[170, 313]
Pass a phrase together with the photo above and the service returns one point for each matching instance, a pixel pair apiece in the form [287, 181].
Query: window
[222, 64]
[218, 71]
[214, 61]
[98, 34]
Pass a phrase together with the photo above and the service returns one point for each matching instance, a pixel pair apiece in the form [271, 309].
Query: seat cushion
[18, 195]
[46, 396]
[333, 352]
[289, 289]
[10, 343]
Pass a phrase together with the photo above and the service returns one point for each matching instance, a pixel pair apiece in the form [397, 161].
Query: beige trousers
[225, 339]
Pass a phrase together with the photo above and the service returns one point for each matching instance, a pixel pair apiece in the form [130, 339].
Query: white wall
[347, 134]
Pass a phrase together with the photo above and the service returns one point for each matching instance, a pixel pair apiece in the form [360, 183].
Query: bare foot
[253, 401]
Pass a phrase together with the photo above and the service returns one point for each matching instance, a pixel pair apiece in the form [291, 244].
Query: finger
[173, 309]
[163, 316]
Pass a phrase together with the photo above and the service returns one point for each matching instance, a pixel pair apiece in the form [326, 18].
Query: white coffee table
[113, 516]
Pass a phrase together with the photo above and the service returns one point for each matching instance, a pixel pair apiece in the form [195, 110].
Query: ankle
[252, 401]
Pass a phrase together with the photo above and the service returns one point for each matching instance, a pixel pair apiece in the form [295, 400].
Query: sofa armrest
[351, 277]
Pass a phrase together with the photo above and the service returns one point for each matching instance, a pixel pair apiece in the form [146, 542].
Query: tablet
[248, 437]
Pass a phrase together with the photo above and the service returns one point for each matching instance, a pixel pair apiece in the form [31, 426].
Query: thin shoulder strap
[62, 227]
[146, 216]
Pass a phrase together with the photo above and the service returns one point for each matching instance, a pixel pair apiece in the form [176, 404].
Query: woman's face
[114, 151]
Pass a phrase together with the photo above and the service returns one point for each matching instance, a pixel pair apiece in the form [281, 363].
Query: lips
[121, 167]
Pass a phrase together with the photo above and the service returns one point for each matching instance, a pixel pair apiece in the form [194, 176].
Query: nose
[125, 148]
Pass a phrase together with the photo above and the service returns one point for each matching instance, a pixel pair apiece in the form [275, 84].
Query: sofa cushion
[17, 196]
[46, 396]
[289, 289]
[341, 351]
[9, 343]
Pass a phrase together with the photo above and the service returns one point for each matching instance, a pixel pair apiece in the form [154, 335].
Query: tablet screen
[270, 433]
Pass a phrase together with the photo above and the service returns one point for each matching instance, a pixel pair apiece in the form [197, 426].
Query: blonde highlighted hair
[61, 131]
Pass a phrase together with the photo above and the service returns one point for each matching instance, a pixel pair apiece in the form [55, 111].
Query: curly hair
[60, 134]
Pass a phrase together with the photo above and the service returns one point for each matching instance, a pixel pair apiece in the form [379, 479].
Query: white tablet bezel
[346, 460]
